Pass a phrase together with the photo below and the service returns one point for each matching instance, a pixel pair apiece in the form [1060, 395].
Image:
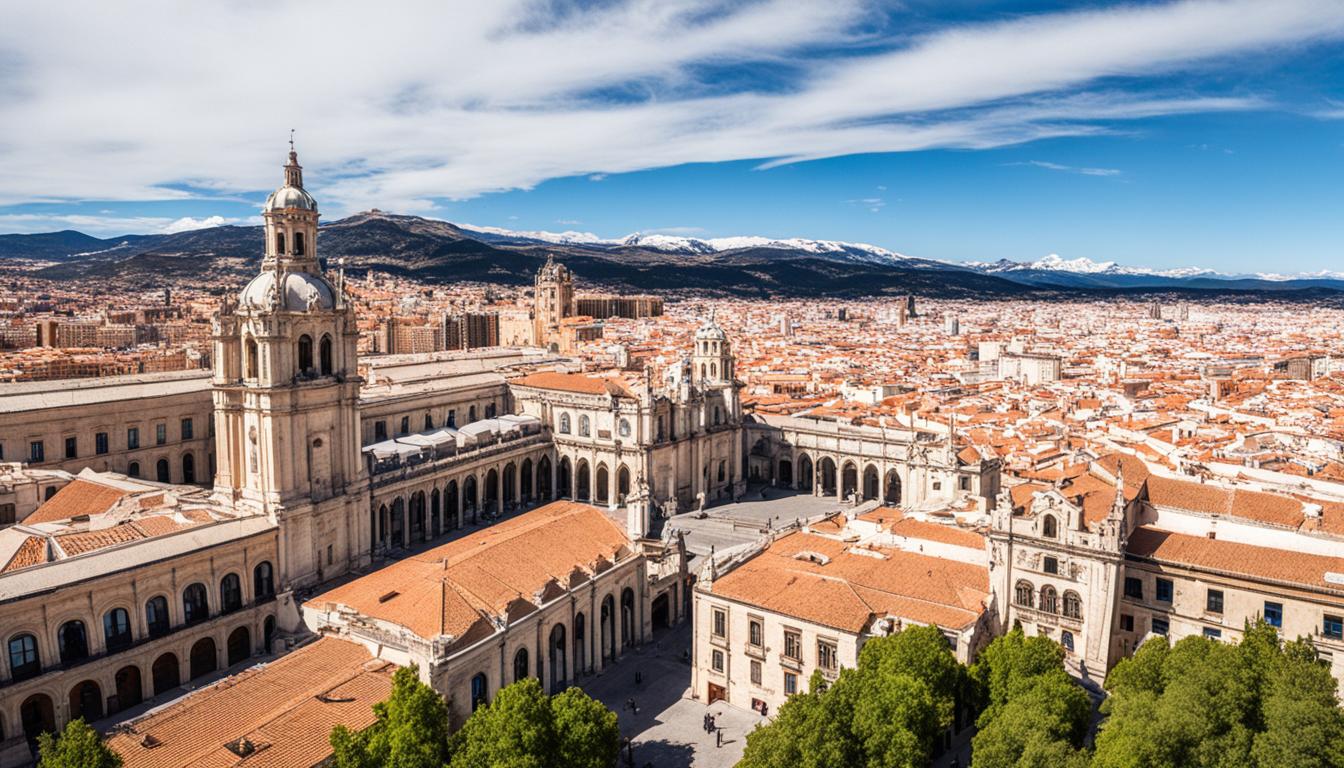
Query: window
[520, 664]
[624, 428]
[1213, 634]
[250, 362]
[161, 471]
[405, 425]
[1164, 590]
[1213, 603]
[793, 646]
[263, 582]
[585, 426]
[305, 354]
[324, 355]
[71, 448]
[187, 430]
[195, 604]
[479, 691]
[298, 243]
[156, 616]
[1073, 605]
[964, 482]
[1024, 595]
[73, 640]
[379, 431]
[117, 629]
[1126, 623]
[790, 683]
[1049, 599]
[1160, 626]
[755, 672]
[1134, 587]
[471, 414]
[49, 492]
[1333, 626]
[230, 593]
[133, 469]
[1274, 614]
[564, 423]
[490, 410]
[754, 633]
[1051, 565]
[160, 434]
[716, 661]
[100, 443]
[280, 243]
[452, 420]
[429, 422]
[132, 437]
[24, 662]
[188, 468]
[720, 623]
[1049, 527]
[37, 453]
[826, 655]
[7, 514]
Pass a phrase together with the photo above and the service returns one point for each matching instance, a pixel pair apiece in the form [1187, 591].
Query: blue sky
[1197, 132]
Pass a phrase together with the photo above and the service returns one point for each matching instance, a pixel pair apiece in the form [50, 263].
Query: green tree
[1044, 722]
[78, 746]
[525, 728]
[586, 730]
[411, 730]
[1008, 667]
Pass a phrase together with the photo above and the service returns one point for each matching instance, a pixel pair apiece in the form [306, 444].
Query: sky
[1176, 133]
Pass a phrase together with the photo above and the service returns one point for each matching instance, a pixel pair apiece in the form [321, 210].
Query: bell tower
[286, 393]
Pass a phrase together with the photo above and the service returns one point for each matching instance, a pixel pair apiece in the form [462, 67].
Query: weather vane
[291, 139]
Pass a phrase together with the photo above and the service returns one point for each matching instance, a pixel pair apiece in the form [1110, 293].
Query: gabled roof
[81, 496]
[574, 382]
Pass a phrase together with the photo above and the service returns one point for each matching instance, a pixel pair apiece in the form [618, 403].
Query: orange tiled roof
[33, 551]
[1234, 558]
[451, 589]
[574, 382]
[285, 709]
[87, 541]
[1262, 507]
[78, 497]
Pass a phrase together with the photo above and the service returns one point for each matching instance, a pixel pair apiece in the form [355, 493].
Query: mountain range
[439, 251]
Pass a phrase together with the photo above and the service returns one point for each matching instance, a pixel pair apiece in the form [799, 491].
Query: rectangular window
[37, 453]
[2, 451]
[1274, 614]
[379, 431]
[1333, 626]
[1160, 626]
[1213, 634]
[1134, 587]
[826, 656]
[1164, 591]
[793, 646]
[71, 448]
[965, 483]
[7, 514]
[160, 434]
[1126, 623]
[790, 683]
[1213, 603]
[1051, 565]
[754, 635]
[328, 554]
[187, 429]
[132, 438]
[720, 623]
[100, 443]
[755, 672]
[716, 661]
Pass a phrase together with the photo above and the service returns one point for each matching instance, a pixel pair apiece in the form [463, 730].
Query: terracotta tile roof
[1204, 498]
[945, 534]
[78, 497]
[451, 589]
[1230, 557]
[849, 590]
[87, 541]
[33, 551]
[574, 382]
[158, 525]
[285, 709]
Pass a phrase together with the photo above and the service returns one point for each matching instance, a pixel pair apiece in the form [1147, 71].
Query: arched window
[723, 470]
[1073, 605]
[156, 616]
[1049, 527]
[520, 665]
[117, 629]
[188, 468]
[298, 243]
[564, 423]
[585, 426]
[702, 370]
[429, 422]
[73, 640]
[471, 414]
[263, 582]
[714, 370]
[133, 469]
[250, 358]
[230, 593]
[624, 428]
[490, 410]
[480, 691]
[161, 471]
[1024, 595]
[1049, 599]
[195, 604]
[305, 353]
[280, 243]
[24, 662]
[324, 354]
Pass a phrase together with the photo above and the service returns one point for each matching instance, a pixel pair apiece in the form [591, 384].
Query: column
[461, 496]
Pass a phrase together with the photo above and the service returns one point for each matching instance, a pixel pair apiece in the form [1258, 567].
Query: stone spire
[293, 171]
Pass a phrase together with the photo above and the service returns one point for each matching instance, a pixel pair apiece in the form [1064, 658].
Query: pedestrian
[639, 678]
[630, 704]
[718, 738]
[704, 723]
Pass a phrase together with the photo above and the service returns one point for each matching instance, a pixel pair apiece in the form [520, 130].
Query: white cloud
[455, 99]
[188, 223]
[107, 225]
[1049, 166]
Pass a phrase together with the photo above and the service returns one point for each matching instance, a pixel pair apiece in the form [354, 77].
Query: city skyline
[1163, 135]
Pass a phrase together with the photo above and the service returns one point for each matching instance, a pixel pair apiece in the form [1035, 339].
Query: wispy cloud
[108, 224]
[1085, 171]
[873, 204]
[528, 91]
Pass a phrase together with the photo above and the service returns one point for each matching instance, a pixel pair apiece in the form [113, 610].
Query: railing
[400, 473]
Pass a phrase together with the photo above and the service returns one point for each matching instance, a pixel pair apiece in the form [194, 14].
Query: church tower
[286, 394]
[712, 361]
[552, 302]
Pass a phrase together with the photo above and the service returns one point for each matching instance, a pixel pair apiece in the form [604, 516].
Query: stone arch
[849, 479]
[525, 485]
[558, 659]
[628, 618]
[129, 688]
[383, 519]
[565, 479]
[239, 645]
[603, 485]
[1024, 594]
[892, 493]
[158, 620]
[469, 500]
[480, 691]
[72, 641]
[509, 479]
[397, 527]
[250, 358]
[622, 484]
[435, 513]
[37, 716]
[826, 475]
[544, 490]
[870, 488]
[204, 659]
[582, 480]
[806, 473]
[305, 354]
[162, 473]
[416, 513]
[324, 354]
[86, 701]
[1049, 526]
[580, 646]
[450, 504]
[166, 673]
[784, 473]
[189, 468]
[607, 623]
[521, 667]
[1049, 599]
[1073, 605]
[230, 593]
[490, 492]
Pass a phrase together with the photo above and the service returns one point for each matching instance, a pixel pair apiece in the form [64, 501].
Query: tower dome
[292, 195]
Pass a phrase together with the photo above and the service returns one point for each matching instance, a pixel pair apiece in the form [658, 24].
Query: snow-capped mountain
[1085, 266]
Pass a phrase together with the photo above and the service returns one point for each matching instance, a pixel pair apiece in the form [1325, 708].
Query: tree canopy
[411, 730]
[78, 746]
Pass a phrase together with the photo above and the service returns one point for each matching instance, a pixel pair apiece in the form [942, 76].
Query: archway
[188, 469]
[239, 646]
[627, 618]
[510, 477]
[521, 669]
[267, 634]
[166, 673]
[826, 468]
[582, 480]
[580, 646]
[469, 497]
[785, 477]
[417, 516]
[525, 482]
[381, 538]
[38, 716]
[544, 478]
[603, 490]
[607, 622]
[564, 483]
[622, 484]
[660, 611]
[129, 689]
[450, 505]
[558, 659]
[870, 490]
[204, 660]
[435, 514]
[490, 493]
[805, 473]
[86, 701]
[849, 480]
[161, 471]
[893, 492]
[398, 532]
